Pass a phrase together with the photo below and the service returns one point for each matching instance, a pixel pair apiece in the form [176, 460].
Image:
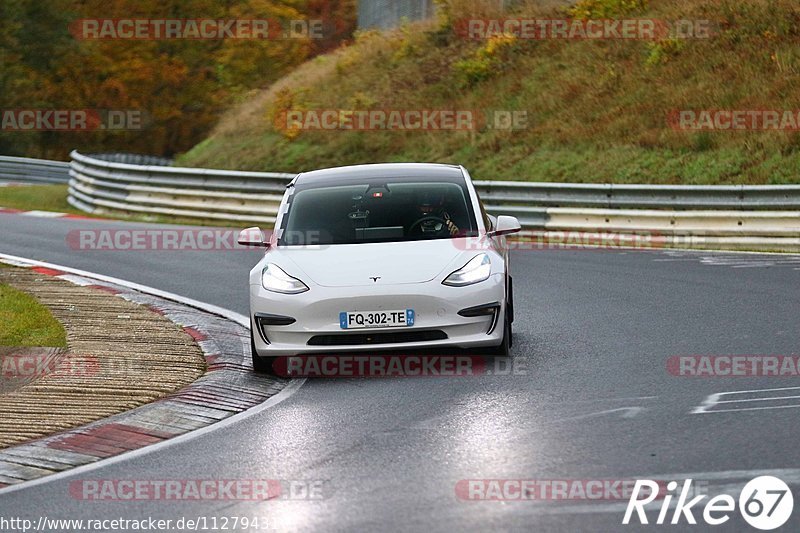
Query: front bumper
[436, 308]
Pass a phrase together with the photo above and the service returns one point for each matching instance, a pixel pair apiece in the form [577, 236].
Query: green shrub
[661, 52]
[486, 61]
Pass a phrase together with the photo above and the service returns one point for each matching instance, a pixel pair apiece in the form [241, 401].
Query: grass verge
[26, 322]
[54, 198]
[32, 197]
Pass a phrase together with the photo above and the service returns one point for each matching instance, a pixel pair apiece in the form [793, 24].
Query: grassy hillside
[597, 110]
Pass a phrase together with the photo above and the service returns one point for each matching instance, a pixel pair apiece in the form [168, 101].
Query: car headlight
[274, 279]
[477, 270]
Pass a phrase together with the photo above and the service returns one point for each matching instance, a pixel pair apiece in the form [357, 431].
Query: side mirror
[505, 225]
[252, 237]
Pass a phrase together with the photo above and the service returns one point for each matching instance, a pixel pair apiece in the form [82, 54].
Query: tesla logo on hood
[375, 279]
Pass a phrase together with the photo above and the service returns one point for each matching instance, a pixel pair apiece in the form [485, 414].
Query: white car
[381, 257]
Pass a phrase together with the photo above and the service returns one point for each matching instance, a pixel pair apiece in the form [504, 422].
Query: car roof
[381, 170]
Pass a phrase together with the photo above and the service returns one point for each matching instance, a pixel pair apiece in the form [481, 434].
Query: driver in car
[435, 218]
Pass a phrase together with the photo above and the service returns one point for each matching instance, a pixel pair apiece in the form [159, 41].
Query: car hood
[348, 265]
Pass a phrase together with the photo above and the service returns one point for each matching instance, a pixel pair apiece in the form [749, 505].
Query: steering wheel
[427, 218]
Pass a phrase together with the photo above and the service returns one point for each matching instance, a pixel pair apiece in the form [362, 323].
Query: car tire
[261, 365]
[510, 311]
[504, 349]
[510, 299]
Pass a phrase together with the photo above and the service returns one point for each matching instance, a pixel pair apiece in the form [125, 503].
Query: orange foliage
[180, 86]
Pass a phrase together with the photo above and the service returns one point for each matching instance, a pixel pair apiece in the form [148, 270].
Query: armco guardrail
[133, 159]
[98, 186]
[614, 196]
[27, 170]
[741, 216]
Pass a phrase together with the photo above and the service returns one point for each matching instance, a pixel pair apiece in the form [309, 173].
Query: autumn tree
[181, 86]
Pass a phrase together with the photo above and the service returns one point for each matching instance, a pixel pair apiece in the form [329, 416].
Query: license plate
[376, 319]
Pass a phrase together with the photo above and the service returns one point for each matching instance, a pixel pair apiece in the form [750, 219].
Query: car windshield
[382, 210]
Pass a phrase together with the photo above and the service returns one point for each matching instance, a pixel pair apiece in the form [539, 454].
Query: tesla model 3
[381, 257]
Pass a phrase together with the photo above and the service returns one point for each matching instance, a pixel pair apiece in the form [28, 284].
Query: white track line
[285, 394]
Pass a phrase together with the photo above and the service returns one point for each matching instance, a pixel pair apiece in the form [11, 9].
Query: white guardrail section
[765, 218]
[98, 186]
[26, 170]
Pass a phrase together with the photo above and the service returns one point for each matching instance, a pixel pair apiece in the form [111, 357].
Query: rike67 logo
[765, 503]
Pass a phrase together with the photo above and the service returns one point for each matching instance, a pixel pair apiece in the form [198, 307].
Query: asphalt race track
[590, 399]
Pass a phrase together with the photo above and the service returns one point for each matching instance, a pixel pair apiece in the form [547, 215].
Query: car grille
[352, 339]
